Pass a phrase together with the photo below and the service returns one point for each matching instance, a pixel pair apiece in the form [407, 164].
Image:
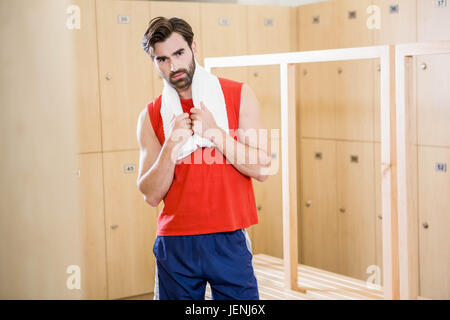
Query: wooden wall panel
[124, 70]
[86, 79]
[433, 100]
[354, 100]
[398, 22]
[356, 203]
[433, 22]
[316, 99]
[316, 26]
[224, 28]
[130, 228]
[434, 223]
[90, 179]
[351, 24]
[318, 222]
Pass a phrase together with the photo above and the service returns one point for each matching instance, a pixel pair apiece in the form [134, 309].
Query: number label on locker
[440, 3]
[121, 18]
[441, 167]
[129, 168]
[268, 22]
[224, 21]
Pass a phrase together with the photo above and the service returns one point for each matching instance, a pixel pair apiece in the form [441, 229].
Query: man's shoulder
[229, 83]
[231, 87]
[155, 104]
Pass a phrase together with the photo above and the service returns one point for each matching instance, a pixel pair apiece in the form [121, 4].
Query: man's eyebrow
[178, 51]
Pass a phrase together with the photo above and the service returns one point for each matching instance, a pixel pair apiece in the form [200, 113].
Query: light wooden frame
[407, 162]
[286, 62]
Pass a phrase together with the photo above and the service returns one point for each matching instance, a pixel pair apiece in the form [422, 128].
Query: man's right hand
[181, 129]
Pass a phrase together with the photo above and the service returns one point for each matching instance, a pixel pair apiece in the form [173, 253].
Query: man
[201, 234]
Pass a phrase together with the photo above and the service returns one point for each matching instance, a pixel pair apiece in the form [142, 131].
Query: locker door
[356, 208]
[434, 222]
[90, 184]
[433, 20]
[270, 29]
[318, 221]
[268, 194]
[397, 23]
[224, 28]
[351, 27]
[125, 70]
[317, 26]
[355, 100]
[130, 228]
[187, 11]
[317, 99]
[86, 79]
[433, 100]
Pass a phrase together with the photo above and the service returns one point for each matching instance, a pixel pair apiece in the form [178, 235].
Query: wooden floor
[322, 285]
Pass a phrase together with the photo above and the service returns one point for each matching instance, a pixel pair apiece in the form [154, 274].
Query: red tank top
[206, 197]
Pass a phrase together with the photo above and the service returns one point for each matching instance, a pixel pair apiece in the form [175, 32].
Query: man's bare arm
[156, 169]
[246, 147]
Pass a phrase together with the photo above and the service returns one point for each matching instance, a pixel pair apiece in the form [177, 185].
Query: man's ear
[194, 48]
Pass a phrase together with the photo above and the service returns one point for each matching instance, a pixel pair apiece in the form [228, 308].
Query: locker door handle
[114, 226]
[259, 207]
[308, 203]
[342, 210]
[423, 66]
[108, 76]
[425, 225]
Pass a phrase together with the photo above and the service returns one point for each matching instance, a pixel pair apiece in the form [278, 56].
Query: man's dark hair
[160, 28]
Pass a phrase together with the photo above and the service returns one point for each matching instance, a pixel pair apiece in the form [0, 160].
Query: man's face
[175, 61]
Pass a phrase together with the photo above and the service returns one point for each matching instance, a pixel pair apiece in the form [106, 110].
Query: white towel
[205, 87]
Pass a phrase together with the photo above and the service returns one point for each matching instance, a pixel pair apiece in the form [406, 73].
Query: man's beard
[186, 81]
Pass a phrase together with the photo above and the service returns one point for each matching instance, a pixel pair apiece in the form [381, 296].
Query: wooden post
[389, 180]
[289, 175]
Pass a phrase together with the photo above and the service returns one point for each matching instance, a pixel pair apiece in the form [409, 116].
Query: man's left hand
[203, 122]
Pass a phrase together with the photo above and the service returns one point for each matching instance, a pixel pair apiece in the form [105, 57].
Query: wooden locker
[434, 222]
[317, 26]
[271, 29]
[190, 12]
[433, 20]
[397, 22]
[86, 79]
[318, 221]
[433, 100]
[316, 99]
[124, 70]
[351, 24]
[130, 228]
[224, 30]
[378, 209]
[354, 100]
[268, 194]
[356, 208]
[90, 184]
